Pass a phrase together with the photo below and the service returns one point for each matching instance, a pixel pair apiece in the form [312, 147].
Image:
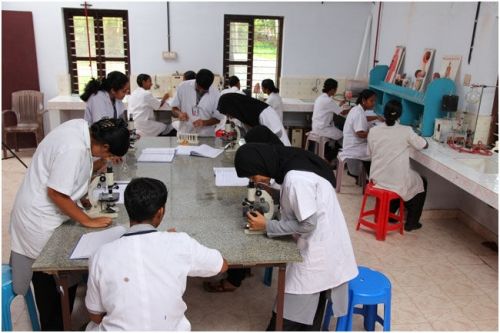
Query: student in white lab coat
[141, 105]
[311, 213]
[195, 104]
[252, 112]
[234, 86]
[273, 99]
[354, 145]
[188, 75]
[136, 283]
[58, 175]
[389, 145]
[104, 98]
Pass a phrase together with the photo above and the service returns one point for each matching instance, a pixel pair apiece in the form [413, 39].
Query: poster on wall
[422, 73]
[449, 66]
[396, 61]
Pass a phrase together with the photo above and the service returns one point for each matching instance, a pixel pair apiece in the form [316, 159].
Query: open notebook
[92, 241]
[157, 155]
[202, 151]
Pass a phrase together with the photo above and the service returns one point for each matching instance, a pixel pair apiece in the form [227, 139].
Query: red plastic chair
[381, 213]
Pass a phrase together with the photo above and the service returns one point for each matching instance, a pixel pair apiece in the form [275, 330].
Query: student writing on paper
[311, 213]
[136, 283]
[58, 175]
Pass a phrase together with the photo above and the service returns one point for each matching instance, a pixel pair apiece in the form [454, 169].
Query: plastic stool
[381, 213]
[319, 143]
[368, 289]
[268, 276]
[7, 298]
[340, 171]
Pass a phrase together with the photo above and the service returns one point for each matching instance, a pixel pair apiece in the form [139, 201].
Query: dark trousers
[289, 325]
[413, 207]
[48, 301]
[236, 275]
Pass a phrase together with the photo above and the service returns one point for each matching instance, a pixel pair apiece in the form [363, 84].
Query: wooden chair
[26, 116]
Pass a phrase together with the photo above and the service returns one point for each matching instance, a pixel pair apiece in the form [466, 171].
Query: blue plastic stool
[7, 297]
[368, 289]
[268, 276]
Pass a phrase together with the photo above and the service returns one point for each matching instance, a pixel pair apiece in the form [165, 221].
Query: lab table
[211, 215]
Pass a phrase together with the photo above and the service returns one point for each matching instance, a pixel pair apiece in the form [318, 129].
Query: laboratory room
[249, 166]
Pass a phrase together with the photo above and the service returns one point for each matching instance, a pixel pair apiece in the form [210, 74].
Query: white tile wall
[309, 88]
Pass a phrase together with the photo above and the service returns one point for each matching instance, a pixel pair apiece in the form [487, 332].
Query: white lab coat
[328, 257]
[63, 162]
[141, 105]
[269, 118]
[139, 280]
[353, 146]
[230, 90]
[389, 147]
[322, 119]
[99, 106]
[185, 100]
[274, 100]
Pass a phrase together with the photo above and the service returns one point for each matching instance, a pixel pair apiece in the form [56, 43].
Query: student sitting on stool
[136, 283]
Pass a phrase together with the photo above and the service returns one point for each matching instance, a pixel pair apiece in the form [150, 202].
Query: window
[252, 48]
[108, 45]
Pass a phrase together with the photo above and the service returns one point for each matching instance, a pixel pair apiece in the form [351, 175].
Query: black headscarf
[244, 108]
[262, 134]
[275, 161]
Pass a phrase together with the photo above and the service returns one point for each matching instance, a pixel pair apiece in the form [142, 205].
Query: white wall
[447, 28]
[318, 39]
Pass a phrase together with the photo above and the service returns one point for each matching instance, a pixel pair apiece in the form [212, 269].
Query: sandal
[218, 287]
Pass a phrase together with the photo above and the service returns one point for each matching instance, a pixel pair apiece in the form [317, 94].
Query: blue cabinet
[419, 109]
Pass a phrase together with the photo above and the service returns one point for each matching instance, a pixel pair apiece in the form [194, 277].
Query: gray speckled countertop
[212, 215]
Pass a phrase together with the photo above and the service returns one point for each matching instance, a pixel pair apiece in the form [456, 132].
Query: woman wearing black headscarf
[262, 134]
[252, 112]
[311, 213]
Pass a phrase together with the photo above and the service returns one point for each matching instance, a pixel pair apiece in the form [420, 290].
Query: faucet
[315, 88]
[156, 86]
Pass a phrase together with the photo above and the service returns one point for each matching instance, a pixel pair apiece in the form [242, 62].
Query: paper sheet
[202, 151]
[157, 155]
[184, 150]
[228, 177]
[91, 242]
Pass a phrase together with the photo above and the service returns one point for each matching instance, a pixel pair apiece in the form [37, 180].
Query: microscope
[132, 131]
[231, 136]
[104, 204]
[257, 200]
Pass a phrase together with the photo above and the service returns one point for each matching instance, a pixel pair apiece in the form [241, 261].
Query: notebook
[201, 151]
[89, 243]
[228, 177]
[165, 155]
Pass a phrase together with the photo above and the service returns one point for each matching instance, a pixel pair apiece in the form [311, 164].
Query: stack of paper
[91, 242]
[157, 155]
[202, 151]
[228, 177]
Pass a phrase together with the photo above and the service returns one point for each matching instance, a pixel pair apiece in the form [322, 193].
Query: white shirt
[274, 100]
[63, 162]
[141, 105]
[328, 257]
[324, 108]
[231, 90]
[139, 280]
[353, 146]
[390, 152]
[269, 118]
[185, 100]
[99, 106]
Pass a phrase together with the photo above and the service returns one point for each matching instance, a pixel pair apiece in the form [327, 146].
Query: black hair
[269, 84]
[233, 80]
[204, 78]
[143, 198]
[392, 112]
[417, 71]
[329, 85]
[189, 75]
[365, 94]
[113, 132]
[141, 78]
[115, 80]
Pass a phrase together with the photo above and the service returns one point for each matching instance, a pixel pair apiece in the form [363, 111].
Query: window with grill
[101, 49]
[252, 48]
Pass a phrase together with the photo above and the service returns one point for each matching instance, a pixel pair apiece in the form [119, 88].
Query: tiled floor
[442, 277]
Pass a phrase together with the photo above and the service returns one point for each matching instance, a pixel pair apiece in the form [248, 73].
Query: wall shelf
[419, 109]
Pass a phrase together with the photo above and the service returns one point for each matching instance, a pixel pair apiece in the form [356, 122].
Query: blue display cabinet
[419, 109]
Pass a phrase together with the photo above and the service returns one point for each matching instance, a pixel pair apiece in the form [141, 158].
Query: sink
[483, 165]
[307, 100]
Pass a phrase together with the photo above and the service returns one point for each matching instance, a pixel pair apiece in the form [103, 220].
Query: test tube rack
[187, 138]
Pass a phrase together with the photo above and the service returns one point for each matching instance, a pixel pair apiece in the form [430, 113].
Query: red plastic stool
[381, 213]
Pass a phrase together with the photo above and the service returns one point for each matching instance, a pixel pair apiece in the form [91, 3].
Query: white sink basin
[483, 165]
